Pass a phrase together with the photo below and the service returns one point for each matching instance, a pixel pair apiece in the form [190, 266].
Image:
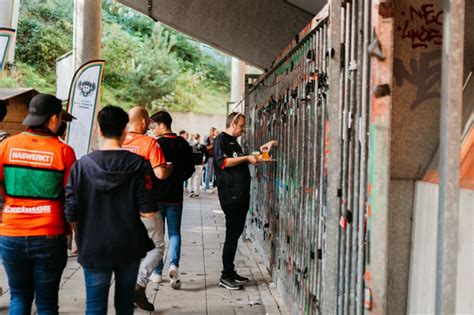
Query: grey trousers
[154, 227]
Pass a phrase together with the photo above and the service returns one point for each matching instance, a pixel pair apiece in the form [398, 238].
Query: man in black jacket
[169, 192]
[107, 193]
[233, 185]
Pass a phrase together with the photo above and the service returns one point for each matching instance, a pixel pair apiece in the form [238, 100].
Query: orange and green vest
[34, 167]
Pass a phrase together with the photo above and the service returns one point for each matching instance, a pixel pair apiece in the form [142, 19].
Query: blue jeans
[172, 213]
[209, 172]
[34, 266]
[98, 283]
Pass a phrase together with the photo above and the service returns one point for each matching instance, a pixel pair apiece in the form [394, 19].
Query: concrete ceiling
[255, 31]
[310, 6]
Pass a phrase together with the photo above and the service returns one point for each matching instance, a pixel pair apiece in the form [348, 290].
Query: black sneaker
[240, 279]
[230, 284]
[139, 298]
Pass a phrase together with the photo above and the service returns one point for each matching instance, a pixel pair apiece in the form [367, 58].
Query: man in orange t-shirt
[137, 142]
[35, 166]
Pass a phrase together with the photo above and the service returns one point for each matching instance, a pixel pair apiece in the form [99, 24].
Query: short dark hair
[232, 118]
[62, 129]
[182, 132]
[112, 121]
[162, 117]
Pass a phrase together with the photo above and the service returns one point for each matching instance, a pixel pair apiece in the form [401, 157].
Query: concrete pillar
[5, 13]
[450, 148]
[87, 31]
[9, 12]
[332, 207]
[87, 40]
[237, 89]
[402, 194]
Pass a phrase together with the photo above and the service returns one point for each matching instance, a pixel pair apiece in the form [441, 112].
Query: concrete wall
[414, 129]
[416, 92]
[197, 123]
[422, 284]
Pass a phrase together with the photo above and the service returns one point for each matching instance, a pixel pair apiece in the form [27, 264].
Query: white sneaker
[156, 278]
[174, 277]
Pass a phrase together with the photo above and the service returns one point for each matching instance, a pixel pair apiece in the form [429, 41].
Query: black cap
[67, 117]
[41, 108]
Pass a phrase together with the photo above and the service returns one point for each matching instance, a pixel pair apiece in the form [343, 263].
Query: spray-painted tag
[368, 299]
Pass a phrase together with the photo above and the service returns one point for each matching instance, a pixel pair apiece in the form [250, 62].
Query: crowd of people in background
[117, 201]
[204, 176]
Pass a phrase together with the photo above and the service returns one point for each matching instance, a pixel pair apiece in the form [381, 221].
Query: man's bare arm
[163, 171]
[231, 162]
[269, 145]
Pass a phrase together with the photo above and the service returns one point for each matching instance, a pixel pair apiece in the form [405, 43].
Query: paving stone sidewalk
[203, 235]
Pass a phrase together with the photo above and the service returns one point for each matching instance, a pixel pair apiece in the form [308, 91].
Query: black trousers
[235, 215]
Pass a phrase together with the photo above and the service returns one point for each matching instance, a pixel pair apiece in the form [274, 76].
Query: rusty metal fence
[289, 212]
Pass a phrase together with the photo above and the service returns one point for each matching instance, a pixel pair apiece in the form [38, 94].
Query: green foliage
[118, 52]
[129, 20]
[27, 76]
[157, 76]
[7, 82]
[147, 63]
[43, 33]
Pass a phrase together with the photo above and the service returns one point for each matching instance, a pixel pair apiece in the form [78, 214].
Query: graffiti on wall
[424, 74]
[422, 26]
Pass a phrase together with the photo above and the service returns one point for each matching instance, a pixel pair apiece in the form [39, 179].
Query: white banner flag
[6, 37]
[84, 98]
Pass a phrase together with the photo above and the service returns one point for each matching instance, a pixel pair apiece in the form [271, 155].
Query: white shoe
[156, 278]
[174, 277]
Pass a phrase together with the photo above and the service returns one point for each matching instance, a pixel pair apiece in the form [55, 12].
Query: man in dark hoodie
[169, 192]
[107, 193]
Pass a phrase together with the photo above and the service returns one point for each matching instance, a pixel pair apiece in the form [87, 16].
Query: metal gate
[289, 209]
